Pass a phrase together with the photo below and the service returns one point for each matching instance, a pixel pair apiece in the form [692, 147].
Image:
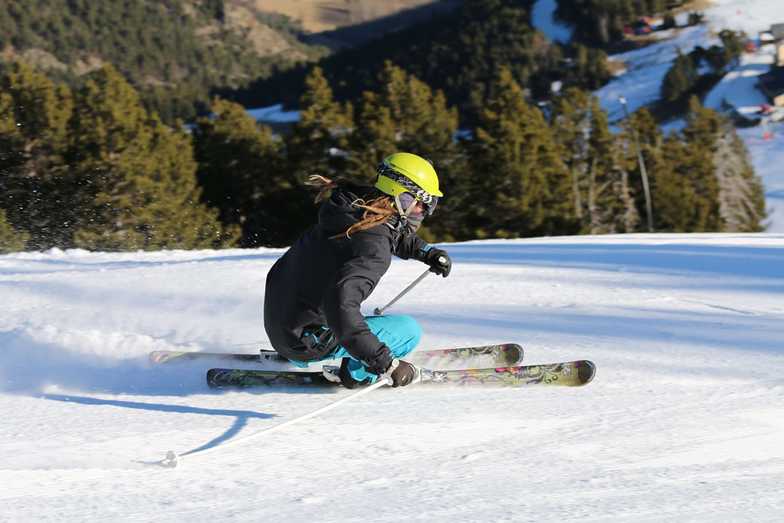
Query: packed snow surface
[683, 422]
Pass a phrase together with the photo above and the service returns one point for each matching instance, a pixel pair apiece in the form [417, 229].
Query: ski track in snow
[682, 422]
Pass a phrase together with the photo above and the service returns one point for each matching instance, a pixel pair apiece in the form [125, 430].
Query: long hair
[377, 211]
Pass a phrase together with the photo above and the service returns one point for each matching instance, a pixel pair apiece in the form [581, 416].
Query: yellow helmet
[408, 173]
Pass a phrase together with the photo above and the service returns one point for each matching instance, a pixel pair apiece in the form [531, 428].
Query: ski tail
[244, 378]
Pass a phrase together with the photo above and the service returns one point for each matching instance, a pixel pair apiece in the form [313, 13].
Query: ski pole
[378, 311]
[172, 458]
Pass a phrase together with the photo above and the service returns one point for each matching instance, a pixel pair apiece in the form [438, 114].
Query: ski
[565, 374]
[502, 355]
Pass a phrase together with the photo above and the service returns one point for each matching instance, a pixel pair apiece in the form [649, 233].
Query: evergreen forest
[90, 163]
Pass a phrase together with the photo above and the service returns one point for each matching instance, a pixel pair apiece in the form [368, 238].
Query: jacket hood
[338, 214]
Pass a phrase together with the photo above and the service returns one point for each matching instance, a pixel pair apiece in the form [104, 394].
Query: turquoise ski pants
[400, 333]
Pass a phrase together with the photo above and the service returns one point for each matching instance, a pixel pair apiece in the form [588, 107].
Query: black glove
[403, 374]
[439, 261]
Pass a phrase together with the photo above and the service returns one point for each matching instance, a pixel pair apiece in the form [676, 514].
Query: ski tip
[157, 357]
[171, 460]
[212, 378]
[586, 370]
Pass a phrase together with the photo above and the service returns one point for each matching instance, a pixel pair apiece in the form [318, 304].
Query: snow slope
[641, 81]
[684, 421]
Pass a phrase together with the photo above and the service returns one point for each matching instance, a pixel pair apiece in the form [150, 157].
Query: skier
[314, 292]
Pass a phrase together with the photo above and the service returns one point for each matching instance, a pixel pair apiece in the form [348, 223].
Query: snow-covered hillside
[640, 83]
[684, 421]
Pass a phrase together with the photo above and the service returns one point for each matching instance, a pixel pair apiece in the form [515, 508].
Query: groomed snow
[274, 114]
[645, 69]
[684, 421]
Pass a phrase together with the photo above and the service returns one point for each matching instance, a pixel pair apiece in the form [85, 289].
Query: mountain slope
[176, 51]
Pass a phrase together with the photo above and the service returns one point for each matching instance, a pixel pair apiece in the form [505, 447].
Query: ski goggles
[408, 204]
[428, 201]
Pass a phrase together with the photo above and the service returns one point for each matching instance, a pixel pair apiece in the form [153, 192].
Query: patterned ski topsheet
[565, 374]
[506, 354]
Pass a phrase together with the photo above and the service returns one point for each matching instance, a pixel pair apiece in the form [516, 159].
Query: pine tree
[317, 145]
[674, 196]
[599, 186]
[319, 141]
[11, 239]
[406, 115]
[520, 185]
[242, 174]
[139, 175]
[701, 135]
[680, 79]
[642, 129]
[610, 204]
[571, 128]
[741, 193]
[33, 137]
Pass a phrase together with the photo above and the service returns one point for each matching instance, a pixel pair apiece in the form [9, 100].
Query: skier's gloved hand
[439, 261]
[401, 373]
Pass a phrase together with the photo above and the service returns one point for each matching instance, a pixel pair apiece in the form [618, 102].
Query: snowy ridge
[682, 422]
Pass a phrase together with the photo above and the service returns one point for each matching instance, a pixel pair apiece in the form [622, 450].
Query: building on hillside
[775, 36]
[645, 25]
[772, 82]
[772, 85]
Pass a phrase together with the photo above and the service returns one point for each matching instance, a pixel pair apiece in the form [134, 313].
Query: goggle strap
[418, 192]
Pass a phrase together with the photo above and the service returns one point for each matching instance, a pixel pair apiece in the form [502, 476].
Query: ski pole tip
[171, 460]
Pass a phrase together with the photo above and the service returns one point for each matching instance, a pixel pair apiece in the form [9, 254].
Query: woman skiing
[314, 292]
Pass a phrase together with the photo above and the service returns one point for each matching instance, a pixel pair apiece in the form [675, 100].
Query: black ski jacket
[321, 281]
